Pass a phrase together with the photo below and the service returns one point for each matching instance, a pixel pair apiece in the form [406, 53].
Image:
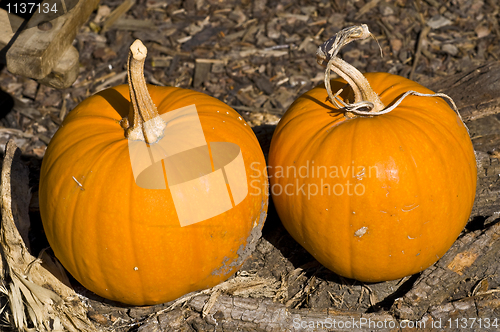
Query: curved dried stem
[143, 122]
[366, 101]
[364, 96]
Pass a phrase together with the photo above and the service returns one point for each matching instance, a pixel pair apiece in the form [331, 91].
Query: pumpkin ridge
[301, 117]
[204, 109]
[62, 151]
[393, 85]
[178, 96]
[55, 233]
[97, 267]
[72, 248]
[76, 210]
[81, 117]
[102, 158]
[396, 132]
[427, 108]
[102, 262]
[443, 130]
[348, 205]
[106, 151]
[320, 135]
[140, 297]
[97, 106]
[440, 148]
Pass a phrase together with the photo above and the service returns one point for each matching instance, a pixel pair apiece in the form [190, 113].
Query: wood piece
[6, 32]
[133, 24]
[36, 294]
[422, 37]
[201, 71]
[233, 313]
[65, 72]
[116, 14]
[465, 259]
[15, 198]
[9, 24]
[34, 53]
[475, 92]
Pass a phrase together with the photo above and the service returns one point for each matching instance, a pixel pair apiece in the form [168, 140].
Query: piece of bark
[233, 313]
[201, 71]
[35, 295]
[465, 259]
[16, 185]
[475, 92]
[116, 14]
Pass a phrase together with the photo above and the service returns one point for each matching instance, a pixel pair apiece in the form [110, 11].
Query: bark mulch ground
[258, 56]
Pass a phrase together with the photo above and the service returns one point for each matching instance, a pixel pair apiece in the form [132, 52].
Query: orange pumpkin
[122, 241]
[378, 197]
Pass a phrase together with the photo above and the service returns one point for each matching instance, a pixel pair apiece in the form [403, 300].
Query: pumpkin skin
[124, 242]
[399, 214]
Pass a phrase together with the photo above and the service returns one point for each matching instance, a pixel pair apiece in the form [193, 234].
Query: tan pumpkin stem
[364, 96]
[366, 101]
[143, 122]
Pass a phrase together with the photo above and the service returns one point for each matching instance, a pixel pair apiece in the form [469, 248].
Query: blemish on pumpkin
[136, 268]
[244, 251]
[411, 238]
[409, 208]
[79, 184]
[360, 232]
[462, 261]
[361, 174]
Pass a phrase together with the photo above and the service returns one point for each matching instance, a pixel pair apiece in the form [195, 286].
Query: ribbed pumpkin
[373, 198]
[124, 242]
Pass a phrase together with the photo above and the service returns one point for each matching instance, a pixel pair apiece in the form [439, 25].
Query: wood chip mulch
[258, 57]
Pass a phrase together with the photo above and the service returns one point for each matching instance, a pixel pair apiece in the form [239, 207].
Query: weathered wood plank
[35, 52]
[9, 23]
